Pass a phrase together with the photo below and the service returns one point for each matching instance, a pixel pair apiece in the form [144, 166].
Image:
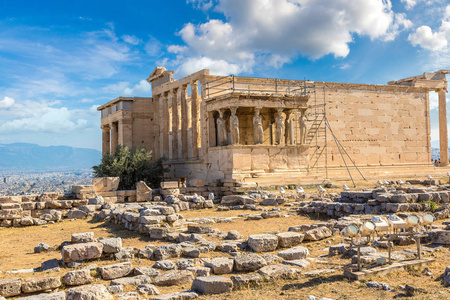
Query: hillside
[23, 156]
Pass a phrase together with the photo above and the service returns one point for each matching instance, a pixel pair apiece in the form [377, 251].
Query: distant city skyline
[61, 59]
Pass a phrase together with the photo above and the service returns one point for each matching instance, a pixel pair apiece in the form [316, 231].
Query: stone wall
[378, 125]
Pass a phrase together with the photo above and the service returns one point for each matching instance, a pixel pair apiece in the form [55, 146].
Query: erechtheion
[228, 129]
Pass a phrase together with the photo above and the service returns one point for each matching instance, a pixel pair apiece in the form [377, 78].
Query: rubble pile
[381, 200]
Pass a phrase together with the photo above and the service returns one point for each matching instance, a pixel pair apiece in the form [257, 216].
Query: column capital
[127, 120]
[221, 111]
[194, 83]
[106, 127]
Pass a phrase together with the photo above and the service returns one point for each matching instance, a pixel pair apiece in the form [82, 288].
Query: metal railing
[234, 84]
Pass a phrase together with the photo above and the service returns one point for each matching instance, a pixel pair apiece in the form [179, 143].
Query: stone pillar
[114, 137]
[195, 119]
[212, 130]
[163, 132]
[290, 123]
[106, 140]
[164, 102]
[184, 123]
[443, 135]
[175, 122]
[126, 132]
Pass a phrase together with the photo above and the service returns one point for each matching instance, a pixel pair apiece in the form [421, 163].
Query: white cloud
[439, 40]
[217, 67]
[427, 39]
[400, 23]
[409, 4]
[116, 88]
[345, 66]
[142, 88]
[434, 100]
[176, 49]
[153, 47]
[7, 102]
[94, 55]
[131, 39]
[275, 30]
[201, 4]
[123, 88]
[43, 116]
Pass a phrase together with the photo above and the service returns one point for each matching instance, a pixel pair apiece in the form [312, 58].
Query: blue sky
[60, 59]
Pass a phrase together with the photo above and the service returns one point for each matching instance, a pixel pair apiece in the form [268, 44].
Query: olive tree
[131, 165]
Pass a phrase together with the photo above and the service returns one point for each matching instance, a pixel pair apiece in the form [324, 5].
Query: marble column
[164, 101]
[184, 123]
[443, 134]
[114, 137]
[290, 123]
[195, 119]
[126, 131]
[106, 140]
[173, 95]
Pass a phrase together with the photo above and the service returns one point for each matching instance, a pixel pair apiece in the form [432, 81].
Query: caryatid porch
[258, 132]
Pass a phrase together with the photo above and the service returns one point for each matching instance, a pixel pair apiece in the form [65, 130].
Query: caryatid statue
[303, 127]
[279, 131]
[221, 130]
[257, 127]
[234, 126]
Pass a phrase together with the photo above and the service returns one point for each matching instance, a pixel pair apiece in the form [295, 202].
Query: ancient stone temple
[227, 129]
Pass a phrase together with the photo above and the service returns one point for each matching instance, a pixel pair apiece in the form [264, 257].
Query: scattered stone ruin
[239, 263]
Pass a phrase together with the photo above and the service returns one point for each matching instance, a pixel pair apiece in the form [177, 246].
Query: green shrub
[433, 205]
[131, 166]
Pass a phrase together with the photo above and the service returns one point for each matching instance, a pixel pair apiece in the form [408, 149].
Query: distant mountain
[23, 156]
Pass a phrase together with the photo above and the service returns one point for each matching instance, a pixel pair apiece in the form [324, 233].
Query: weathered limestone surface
[220, 265]
[32, 285]
[263, 242]
[289, 239]
[81, 252]
[85, 237]
[10, 287]
[111, 245]
[115, 271]
[212, 285]
[91, 292]
[298, 252]
[78, 277]
[274, 272]
[249, 262]
[246, 281]
[135, 280]
[174, 277]
[177, 296]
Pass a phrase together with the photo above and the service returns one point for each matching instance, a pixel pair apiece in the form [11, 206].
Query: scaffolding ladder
[316, 137]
